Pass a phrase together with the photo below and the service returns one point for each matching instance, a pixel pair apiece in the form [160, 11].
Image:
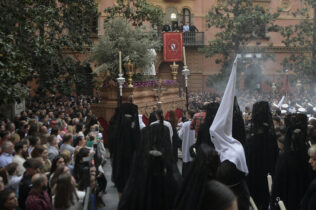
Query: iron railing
[190, 38]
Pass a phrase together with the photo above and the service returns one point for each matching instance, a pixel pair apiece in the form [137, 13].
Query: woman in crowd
[58, 172]
[5, 176]
[13, 179]
[57, 162]
[66, 197]
[8, 200]
[40, 151]
[67, 158]
[81, 168]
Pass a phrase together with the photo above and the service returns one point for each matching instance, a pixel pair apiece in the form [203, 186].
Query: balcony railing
[190, 38]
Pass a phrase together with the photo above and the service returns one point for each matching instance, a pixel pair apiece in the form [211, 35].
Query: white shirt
[166, 123]
[5, 159]
[141, 123]
[188, 138]
[19, 160]
[186, 28]
[14, 182]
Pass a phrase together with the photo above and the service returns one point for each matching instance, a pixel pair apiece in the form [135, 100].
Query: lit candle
[120, 62]
[269, 177]
[184, 58]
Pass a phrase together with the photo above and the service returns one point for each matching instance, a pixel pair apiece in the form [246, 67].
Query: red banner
[172, 46]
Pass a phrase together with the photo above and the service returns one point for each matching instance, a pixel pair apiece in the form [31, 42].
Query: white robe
[188, 139]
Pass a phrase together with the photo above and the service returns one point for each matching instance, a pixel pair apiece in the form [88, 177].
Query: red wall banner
[172, 46]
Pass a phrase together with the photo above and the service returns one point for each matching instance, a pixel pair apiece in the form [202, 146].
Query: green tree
[133, 42]
[302, 37]
[238, 23]
[135, 12]
[34, 35]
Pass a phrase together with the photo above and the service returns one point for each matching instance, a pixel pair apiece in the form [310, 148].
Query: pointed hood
[221, 129]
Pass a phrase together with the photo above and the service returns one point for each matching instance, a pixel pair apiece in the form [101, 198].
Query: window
[186, 16]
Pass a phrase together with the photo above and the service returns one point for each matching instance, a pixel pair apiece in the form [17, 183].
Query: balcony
[193, 39]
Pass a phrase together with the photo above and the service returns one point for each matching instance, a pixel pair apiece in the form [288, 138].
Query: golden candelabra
[130, 72]
[174, 70]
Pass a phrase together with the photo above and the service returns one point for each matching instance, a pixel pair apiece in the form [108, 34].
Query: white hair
[312, 150]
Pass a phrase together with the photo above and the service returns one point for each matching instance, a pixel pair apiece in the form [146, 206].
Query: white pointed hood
[221, 129]
[281, 102]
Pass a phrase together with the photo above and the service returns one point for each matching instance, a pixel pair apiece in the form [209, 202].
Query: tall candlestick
[184, 58]
[120, 62]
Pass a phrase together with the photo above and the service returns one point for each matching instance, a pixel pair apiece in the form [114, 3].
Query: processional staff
[186, 73]
[159, 91]
[120, 80]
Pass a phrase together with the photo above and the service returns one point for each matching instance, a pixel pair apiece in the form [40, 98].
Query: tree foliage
[33, 37]
[238, 23]
[135, 12]
[133, 42]
[300, 37]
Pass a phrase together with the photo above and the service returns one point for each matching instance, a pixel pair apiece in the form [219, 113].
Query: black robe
[293, 174]
[124, 133]
[176, 143]
[154, 178]
[261, 155]
[204, 136]
[202, 170]
[309, 200]
[228, 174]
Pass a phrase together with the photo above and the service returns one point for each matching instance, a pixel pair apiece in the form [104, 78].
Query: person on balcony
[193, 28]
[166, 27]
[186, 28]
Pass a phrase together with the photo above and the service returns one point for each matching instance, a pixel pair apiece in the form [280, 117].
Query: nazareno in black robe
[204, 136]
[261, 153]
[309, 199]
[227, 171]
[155, 177]
[293, 173]
[124, 134]
[202, 170]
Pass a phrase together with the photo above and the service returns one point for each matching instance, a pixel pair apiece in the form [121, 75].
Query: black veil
[154, 178]
[202, 170]
[124, 134]
[204, 136]
[261, 153]
[239, 132]
[293, 173]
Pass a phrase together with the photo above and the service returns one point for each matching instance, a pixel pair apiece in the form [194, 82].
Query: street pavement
[111, 197]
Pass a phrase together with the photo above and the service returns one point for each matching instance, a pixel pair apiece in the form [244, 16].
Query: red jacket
[38, 201]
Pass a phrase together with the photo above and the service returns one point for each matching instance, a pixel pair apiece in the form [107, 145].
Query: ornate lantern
[130, 72]
[174, 70]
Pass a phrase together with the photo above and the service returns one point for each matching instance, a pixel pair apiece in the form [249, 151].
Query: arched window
[186, 16]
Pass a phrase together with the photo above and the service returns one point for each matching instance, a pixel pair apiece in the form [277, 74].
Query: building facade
[194, 12]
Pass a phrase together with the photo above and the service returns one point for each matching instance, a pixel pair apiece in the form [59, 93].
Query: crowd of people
[276, 145]
[182, 28]
[51, 154]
